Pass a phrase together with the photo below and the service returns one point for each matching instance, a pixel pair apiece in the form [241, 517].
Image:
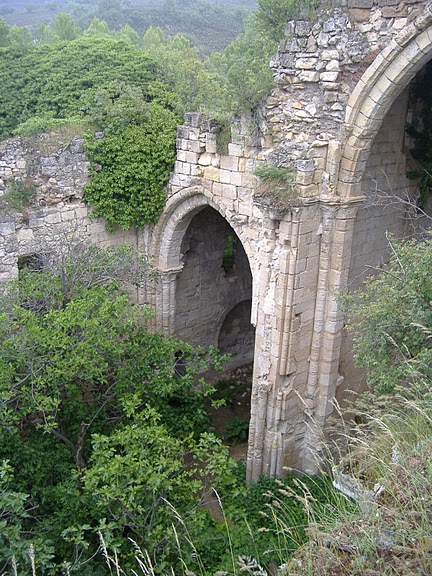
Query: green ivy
[130, 168]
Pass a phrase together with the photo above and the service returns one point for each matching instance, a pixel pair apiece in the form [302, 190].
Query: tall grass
[389, 460]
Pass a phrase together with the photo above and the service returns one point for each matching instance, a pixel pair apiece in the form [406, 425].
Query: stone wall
[57, 168]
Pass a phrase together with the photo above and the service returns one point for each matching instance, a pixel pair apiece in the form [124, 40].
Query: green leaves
[244, 67]
[101, 430]
[131, 165]
[51, 79]
[273, 15]
[392, 317]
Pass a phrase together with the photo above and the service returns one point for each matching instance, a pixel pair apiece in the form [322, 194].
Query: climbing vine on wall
[131, 162]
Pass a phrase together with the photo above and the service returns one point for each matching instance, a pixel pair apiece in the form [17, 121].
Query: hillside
[209, 25]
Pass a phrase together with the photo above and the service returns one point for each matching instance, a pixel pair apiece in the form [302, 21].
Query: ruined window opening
[32, 262]
[228, 258]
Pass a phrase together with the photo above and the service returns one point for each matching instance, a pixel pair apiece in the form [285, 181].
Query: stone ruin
[337, 118]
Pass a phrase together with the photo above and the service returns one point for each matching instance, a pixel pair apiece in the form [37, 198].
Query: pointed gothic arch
[390, 72]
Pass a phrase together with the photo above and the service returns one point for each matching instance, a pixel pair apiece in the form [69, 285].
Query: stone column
[166, 301]
[324, 377]
[285, 292]
[265, 364]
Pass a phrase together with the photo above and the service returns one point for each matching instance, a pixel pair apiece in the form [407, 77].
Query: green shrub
[273, 174]
[41, 123]
[236, 430]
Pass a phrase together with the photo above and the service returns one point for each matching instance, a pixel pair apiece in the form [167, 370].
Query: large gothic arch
[388, 75]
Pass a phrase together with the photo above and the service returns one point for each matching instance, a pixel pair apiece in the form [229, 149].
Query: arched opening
[237, 335]
[392, 198]
[215, 278]
[213, 308]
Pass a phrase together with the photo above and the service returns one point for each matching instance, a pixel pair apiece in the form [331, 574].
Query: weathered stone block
[196, 146]
[181, 155]
[25, 234]
[308, 76]
[7, 228]
[306, 63]
[191, 157]
[212, 174]
[192, 119]
[235, 150]
[329, 76]
[229, 191]
[196, 170]
[211, 145]
[229, 163]
[205, 159]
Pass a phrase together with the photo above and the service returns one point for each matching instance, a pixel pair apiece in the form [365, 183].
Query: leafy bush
[50, 80]
[43, 123]
[391, 318]
[274, 174]
[236, 430]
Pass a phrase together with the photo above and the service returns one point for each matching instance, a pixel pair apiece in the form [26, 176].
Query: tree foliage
[244, 68]
[273, 15]
[96, 424]
[194, 87]
[54, 78]
[392, 318]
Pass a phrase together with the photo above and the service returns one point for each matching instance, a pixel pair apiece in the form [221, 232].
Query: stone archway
[380, 85]
[205, 290]
[374, 161]
[215, 277]
[167, 244]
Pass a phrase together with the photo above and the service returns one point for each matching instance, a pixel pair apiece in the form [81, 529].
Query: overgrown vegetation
[131, 163]
[392, 319]
[88, 395]
[101, 435]
[273, 15]
[273, 174]
[388, 460]
[275, 186]
[18, 195]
